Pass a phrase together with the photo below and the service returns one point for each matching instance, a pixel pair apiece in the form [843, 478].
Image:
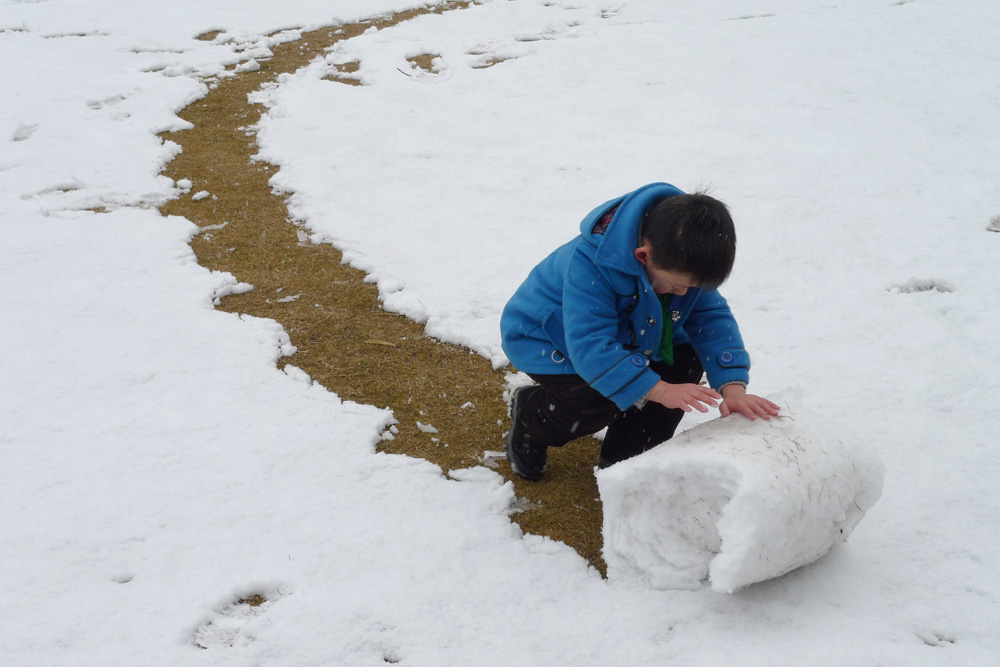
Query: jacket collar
[615, 249]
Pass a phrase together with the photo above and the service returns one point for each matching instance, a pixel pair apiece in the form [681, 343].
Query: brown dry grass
[345, 340]
[424, 61]
[491, 61]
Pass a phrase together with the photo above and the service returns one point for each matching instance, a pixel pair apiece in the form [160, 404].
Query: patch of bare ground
[490, 62]
[345, 340]
[424, 61]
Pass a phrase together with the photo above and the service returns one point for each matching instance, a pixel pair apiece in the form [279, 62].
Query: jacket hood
[615, 249]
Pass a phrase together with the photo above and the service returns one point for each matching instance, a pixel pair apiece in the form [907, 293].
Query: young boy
[618, 326]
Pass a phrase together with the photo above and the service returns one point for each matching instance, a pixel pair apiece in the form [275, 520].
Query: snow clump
[735, 501]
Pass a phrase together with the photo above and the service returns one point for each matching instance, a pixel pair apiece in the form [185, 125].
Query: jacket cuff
[726, 384]
[636, 390]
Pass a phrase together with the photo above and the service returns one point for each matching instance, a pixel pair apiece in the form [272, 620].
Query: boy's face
[662, 280]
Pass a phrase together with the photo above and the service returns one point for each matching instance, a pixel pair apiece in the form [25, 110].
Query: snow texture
[735, 501]
[157, 467]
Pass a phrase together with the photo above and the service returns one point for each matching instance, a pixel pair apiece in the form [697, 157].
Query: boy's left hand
[736, 399]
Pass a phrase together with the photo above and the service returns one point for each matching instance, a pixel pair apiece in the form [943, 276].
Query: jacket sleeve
[716, 337]
[591, 324]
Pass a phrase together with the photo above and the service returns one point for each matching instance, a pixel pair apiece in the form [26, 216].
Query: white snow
[735, 501]
[426, 428]
[157, 467]
[249, 66]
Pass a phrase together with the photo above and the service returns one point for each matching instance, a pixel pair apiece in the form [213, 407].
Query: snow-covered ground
[156, 466]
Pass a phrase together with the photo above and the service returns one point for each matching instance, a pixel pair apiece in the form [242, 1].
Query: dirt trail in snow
[345, 340]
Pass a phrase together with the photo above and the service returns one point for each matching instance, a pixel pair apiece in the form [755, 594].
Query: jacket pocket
[552, 327]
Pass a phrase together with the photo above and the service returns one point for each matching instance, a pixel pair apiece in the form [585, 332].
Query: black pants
[566, 408]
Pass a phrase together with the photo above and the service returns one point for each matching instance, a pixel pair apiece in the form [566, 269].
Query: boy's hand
[736, 399]
[683, 396]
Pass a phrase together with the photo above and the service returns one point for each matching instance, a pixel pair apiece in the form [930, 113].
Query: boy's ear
[643, 253]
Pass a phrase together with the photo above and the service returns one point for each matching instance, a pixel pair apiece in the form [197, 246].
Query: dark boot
[526, 459]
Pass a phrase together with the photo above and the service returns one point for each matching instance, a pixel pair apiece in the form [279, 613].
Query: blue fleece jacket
[588, 309]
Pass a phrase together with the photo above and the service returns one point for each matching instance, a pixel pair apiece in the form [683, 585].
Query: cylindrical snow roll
[735, 501]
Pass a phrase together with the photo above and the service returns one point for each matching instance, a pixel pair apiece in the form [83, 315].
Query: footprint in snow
[937, 639]
[227, 626]
[24, 131]
[105, 102]
[747, 17]
[915, 285]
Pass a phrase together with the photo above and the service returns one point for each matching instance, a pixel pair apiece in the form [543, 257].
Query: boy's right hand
[684, 396]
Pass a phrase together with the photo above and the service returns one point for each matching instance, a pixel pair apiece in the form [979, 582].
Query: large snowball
[735, 501]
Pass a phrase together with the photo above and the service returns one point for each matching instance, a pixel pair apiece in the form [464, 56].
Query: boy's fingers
[767, 409]
[770, 406]
[708, 396]
[742, 409]
[695, 396]
[704, 397]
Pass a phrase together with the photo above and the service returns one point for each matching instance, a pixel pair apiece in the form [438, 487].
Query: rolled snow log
[735, 501]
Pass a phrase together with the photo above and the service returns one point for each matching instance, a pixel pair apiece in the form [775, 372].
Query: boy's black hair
[692, 234]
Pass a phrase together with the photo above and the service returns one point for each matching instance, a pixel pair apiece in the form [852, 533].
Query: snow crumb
[209, 228]
[466, 405]
[489, 458]
[289, 299]
[249, 66]
[201, 194]
[426, 428]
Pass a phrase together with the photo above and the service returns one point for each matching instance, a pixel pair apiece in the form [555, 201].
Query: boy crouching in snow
[618, 326]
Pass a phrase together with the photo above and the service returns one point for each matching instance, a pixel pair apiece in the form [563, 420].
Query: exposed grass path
[345, 340]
